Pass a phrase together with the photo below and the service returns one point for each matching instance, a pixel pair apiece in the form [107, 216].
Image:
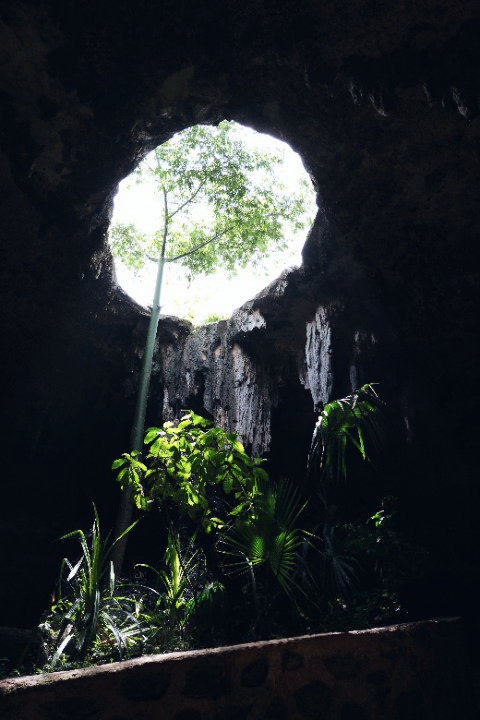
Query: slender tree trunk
[125, 510]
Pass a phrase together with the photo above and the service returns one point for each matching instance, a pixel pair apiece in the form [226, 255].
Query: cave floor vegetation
[246, 557]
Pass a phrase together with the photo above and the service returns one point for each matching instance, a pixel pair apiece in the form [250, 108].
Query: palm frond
[270, 539]
[341, 573]
[344, 422]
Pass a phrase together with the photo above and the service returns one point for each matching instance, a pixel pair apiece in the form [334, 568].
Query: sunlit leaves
[342, 423]
[131, 246]
[184, 463]
[270, 537]
[223, 200]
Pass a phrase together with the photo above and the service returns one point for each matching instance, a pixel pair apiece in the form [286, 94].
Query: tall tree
[221, 205]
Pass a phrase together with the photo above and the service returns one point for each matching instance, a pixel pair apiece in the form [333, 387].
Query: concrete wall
[405, 672]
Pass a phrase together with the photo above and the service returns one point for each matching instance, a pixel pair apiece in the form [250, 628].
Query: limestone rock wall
[235, 369]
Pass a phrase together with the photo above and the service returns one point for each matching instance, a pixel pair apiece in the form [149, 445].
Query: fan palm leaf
[341, 572]
[270, 538]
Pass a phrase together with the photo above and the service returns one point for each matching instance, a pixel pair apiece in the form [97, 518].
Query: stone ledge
[411, 671]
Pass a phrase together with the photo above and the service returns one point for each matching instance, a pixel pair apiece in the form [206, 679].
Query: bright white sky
[214, 294]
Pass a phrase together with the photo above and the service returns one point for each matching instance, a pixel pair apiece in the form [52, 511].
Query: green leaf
[119, 463]
[238, 447]
[192, 464]
[151, 434]
[227, 485]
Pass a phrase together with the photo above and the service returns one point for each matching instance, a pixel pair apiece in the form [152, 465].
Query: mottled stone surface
[424, 678]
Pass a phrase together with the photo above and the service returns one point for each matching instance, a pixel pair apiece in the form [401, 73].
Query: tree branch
[192, 196]
[198, 247]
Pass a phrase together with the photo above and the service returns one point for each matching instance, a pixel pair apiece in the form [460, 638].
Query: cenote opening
[197, 297]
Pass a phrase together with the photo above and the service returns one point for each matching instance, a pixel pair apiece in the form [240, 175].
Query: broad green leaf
[118, 463]
[151, 434]
[238, 447]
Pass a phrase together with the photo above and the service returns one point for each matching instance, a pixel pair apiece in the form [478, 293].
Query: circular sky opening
[194, 296]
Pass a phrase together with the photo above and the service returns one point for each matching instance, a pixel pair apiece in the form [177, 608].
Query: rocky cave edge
[382, 104]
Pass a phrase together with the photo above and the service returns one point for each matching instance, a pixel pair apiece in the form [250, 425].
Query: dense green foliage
[245, 558]
[265, 545]
[93, 612]
[343, 423]
[184, 464]
[221, 204]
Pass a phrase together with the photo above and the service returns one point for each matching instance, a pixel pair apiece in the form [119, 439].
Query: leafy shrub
[191, 467]
[277, 570]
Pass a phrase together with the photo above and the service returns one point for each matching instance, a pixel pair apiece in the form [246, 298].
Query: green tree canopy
[221, 203]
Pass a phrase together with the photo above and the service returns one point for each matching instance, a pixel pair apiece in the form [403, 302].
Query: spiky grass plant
[174, 584]
[89, 611]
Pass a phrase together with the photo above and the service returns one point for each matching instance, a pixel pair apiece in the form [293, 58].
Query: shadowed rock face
[383, 106]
